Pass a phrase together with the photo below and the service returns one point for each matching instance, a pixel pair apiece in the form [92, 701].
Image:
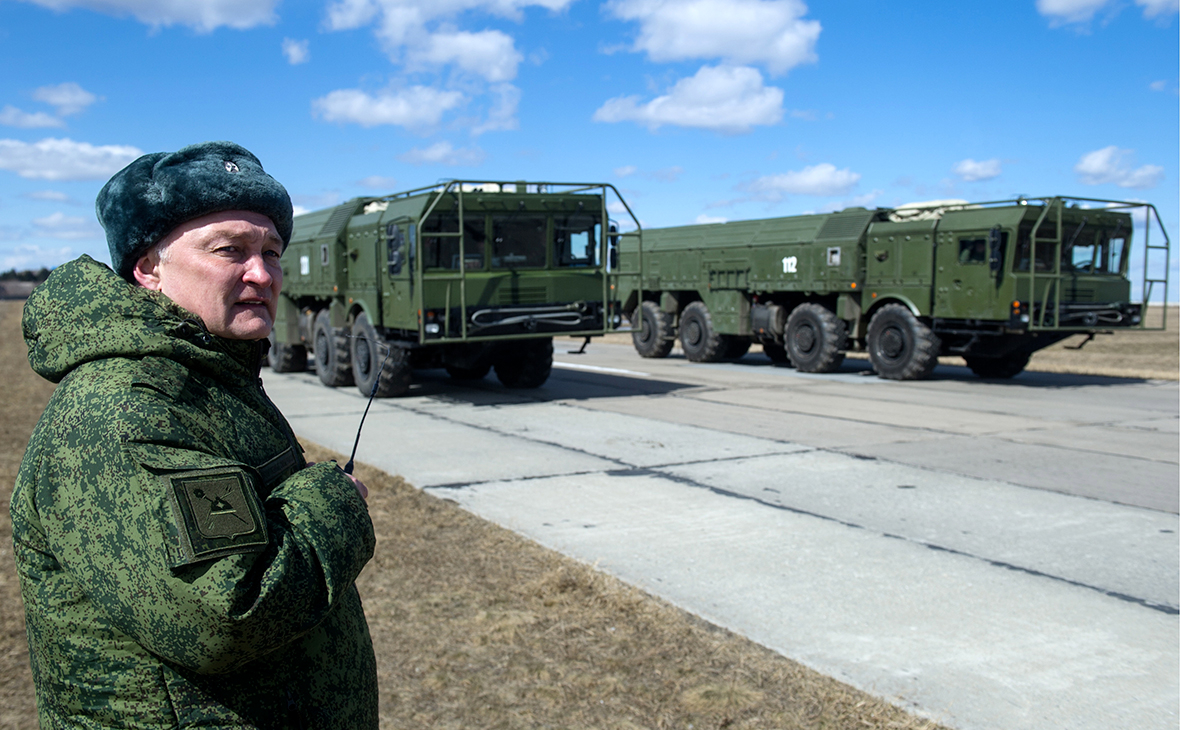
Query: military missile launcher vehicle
[992, 282]
[466, 275]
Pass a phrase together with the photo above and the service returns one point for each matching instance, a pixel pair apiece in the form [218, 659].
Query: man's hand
[360, 486]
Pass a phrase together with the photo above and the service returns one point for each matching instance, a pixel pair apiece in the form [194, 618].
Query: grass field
[476, 627]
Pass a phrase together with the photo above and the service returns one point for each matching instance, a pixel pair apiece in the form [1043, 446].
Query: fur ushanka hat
[144, 201]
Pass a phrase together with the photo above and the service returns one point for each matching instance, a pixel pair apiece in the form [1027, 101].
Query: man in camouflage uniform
[181, 564]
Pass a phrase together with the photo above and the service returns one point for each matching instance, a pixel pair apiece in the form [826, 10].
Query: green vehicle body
[906, 285]
[375, 287]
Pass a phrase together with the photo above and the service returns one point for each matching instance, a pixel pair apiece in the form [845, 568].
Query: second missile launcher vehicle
[992, 282]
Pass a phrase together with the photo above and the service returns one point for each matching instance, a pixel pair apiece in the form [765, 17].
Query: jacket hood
[85, 311]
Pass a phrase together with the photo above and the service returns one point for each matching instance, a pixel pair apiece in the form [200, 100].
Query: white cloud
[822, 179]
[490, 53]
[64, 159]
[1082, 11]
[69, 228]
[12, 117]
[297, 52]
[203, 15]
[1069, 11]
[31, 256]
[442, 153]
[769, 32]
[502, 115]
[69, 98]
[418, 27]
[415, 107]
[378, 182]
[668, 174]
[1160, 85]
[704, 219]
[1114, 165]
[973, 171]
[725, 99]
[50, 195]
[299, 209]
[1155, 8]
[625, 170]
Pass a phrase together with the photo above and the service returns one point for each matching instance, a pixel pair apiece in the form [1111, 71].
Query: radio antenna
[372, 395]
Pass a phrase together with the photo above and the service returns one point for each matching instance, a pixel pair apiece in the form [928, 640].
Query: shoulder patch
[217, 513]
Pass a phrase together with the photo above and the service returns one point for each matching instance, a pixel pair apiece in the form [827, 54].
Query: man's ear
[147, 270]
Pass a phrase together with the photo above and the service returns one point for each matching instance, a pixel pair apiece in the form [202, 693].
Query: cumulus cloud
[68, 98]
[297, 52]
[1062, 12]
[414, 108]
[64, 159]
[10, 116]
[32, 256]
[1156, 8]
[50, 195]
[724, 99]
[704, 219]
[443, 153]
[768, 32]
[973, 171]
[822, 180]
[202, 15]
[490, 53]
[378, 182]
[69, 228]
[418, 28]
[502, 115]
[1114, 165]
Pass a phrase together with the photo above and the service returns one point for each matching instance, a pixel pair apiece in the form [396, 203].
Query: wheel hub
[805, 339]
[892, 343]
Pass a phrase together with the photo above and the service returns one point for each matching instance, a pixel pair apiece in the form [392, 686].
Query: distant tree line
[13, 275]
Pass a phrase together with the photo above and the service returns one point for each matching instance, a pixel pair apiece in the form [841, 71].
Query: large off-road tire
[655, 335]
[699, 339]
[333, 360]
[284, 357]
[377, 363]
[997, 367]
[776, 352]
[901, 347]
[525, 364]
[815, 339]
[736, 346]
[476, 373]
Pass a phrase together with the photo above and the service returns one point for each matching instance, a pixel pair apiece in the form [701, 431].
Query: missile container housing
[465, 275]
[991, 282]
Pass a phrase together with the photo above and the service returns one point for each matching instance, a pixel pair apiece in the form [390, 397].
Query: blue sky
[697, 110]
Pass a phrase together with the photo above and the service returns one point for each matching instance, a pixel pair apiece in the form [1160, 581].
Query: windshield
[1085, 247]
[575, 239]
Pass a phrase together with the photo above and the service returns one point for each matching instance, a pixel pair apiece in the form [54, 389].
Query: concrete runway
[990, 554]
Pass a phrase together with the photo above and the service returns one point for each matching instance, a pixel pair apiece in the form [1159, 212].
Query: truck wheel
[476, 373]
[700, 341]
[815, 339]
[333, 361]
[736, 346]
[286, 358]
[997, 367]
[900, 346]
[655, 337]
[374, 362]
[526, 364]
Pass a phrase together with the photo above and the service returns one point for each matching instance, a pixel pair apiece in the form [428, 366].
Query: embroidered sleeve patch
[217, 513]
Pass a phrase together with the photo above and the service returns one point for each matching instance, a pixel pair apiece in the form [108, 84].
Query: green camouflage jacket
[180, 564]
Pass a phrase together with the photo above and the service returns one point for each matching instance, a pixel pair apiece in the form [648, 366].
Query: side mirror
[612, 243]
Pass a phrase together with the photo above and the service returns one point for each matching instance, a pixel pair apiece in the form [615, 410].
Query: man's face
[223, 267]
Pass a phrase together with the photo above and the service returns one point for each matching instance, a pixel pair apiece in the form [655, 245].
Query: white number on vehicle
[790, 263]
